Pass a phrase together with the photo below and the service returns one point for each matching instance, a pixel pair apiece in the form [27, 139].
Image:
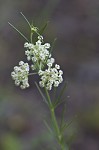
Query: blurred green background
[75, 23]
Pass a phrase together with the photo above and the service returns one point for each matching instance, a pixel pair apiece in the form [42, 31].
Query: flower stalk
[43, 65]
[56, 128]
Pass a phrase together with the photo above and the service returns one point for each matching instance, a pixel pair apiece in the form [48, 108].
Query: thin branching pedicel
[43, 64]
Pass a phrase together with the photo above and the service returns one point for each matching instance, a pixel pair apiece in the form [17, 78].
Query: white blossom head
[50, 77]
[37, 52]
[20, 75]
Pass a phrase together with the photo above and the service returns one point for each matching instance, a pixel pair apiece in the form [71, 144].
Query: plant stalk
[57, 131]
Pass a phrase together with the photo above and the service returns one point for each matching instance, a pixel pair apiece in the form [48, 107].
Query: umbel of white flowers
[42, 64]
[20, 75]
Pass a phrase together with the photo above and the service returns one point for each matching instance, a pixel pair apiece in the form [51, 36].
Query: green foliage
[90, 118]
[10, 142]
[42, 141]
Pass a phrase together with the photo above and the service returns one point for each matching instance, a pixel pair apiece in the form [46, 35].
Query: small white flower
[22, 87]
[21, 63]
[26, 45]
[38, 43]
[40, 72]
[16, 69]
[27, 68]
[57, 66]
[56, 83]
[47, 45]
[33, 67]
[13, 74]
[50, 62]
[40, 38]
[41, 84]
[17, 82]
[28, 58]
[27, 52]
[60, 72]
[60, 78]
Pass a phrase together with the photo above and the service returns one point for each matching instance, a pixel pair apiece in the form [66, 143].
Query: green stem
[48, 98]
[57, 130]
[55, 123]
[31, 36]
[30, 74]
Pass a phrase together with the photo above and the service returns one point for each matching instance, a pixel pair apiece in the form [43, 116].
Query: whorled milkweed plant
[43, 64]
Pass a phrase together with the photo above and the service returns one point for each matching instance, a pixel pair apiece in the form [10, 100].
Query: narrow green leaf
[48, 97]
[26, 19]
[66, 125]
[60, 102]
[54, 94]
[63, 114]
[43, 28]
[60, 95]
[41, 93]
[62, 91]
[18, 31]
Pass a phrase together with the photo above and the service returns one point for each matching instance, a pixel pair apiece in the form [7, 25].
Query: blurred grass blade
[41, 93]
[70, 140]
[43, 28]
[46, 124]
[53, 43]
[18, 31]
[26, 19]
[40, 139]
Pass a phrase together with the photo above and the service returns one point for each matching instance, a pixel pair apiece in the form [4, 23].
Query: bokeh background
[75, 23]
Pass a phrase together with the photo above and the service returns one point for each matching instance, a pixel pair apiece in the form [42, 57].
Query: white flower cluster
[40, 56]
[51, 76]
[38, 52]
[20, 75]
